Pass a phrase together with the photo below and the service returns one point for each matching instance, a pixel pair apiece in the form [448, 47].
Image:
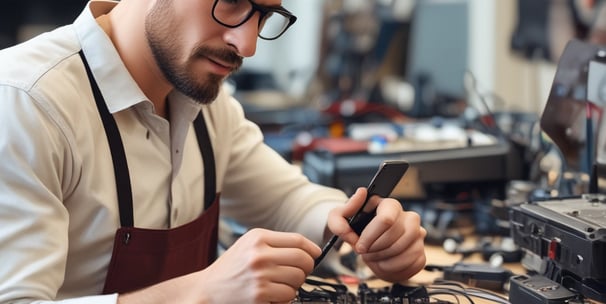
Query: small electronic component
[538, 289]
[315, 291]
[475, 275]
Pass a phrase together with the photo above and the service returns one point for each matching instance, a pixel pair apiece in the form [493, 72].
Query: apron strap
[124, 190]
[125, 195]
[208, 157]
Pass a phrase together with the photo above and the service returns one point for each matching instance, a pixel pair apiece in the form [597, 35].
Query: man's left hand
[392, 245]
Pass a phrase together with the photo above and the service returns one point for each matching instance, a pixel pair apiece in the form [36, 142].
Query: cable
[442, 285]
[317, 291]
[450, 291]
[454, 295]
[487, 296]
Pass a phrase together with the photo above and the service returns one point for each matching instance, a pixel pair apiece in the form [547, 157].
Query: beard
[163, 41]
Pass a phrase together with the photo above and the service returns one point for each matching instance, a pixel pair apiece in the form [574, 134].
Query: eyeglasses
[273, 20]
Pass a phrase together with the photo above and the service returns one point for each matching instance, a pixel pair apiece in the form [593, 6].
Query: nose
[244, 37]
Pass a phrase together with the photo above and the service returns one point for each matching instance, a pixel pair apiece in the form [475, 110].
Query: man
[117, 141]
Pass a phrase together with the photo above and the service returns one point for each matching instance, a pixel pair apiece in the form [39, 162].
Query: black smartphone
[382, 184]
[388, 175]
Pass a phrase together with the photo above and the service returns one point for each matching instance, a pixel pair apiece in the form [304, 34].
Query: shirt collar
[183, 106]
[115, 82]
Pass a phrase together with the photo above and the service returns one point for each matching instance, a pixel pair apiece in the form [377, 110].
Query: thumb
[355, 202]
[339, 222]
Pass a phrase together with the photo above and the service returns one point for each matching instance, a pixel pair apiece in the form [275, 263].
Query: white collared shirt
[58, 206]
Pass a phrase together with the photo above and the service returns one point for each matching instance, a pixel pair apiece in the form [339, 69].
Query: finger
[390, 243]
[401, 244]
[280, 274]
[338, 220]
[291, 276]
[406, 230]
[277, 239]
[276, 293]
[401, 266]
[287, 257]
[354, 203]
[387, 215]
[407, 272]
[276, 284]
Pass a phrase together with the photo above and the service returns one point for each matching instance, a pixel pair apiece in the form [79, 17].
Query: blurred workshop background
[456, 87]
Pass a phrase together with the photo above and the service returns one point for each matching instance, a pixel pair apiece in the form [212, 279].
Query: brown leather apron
[143, 257]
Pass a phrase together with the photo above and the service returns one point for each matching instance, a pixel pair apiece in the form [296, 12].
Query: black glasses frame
[263, 11]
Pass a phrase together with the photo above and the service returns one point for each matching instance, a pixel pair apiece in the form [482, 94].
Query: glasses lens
[273, 25]
[232, 12]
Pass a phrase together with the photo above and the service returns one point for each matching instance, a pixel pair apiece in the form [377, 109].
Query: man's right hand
[262, 266]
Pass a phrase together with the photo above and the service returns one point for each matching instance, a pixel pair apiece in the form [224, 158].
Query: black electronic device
[564, 238]
[475, 275]
[478, 275]
[567, 235]
[440, 171]
[537, 289]
[395, 293]
[388, 175]
[317, 291]
[570, 232]
[437, 165]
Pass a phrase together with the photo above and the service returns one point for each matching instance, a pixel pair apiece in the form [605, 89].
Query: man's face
[198, 68]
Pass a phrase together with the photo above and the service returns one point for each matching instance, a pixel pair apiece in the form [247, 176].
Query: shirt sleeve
[35, 177]
[262, 189]
[102, 299]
